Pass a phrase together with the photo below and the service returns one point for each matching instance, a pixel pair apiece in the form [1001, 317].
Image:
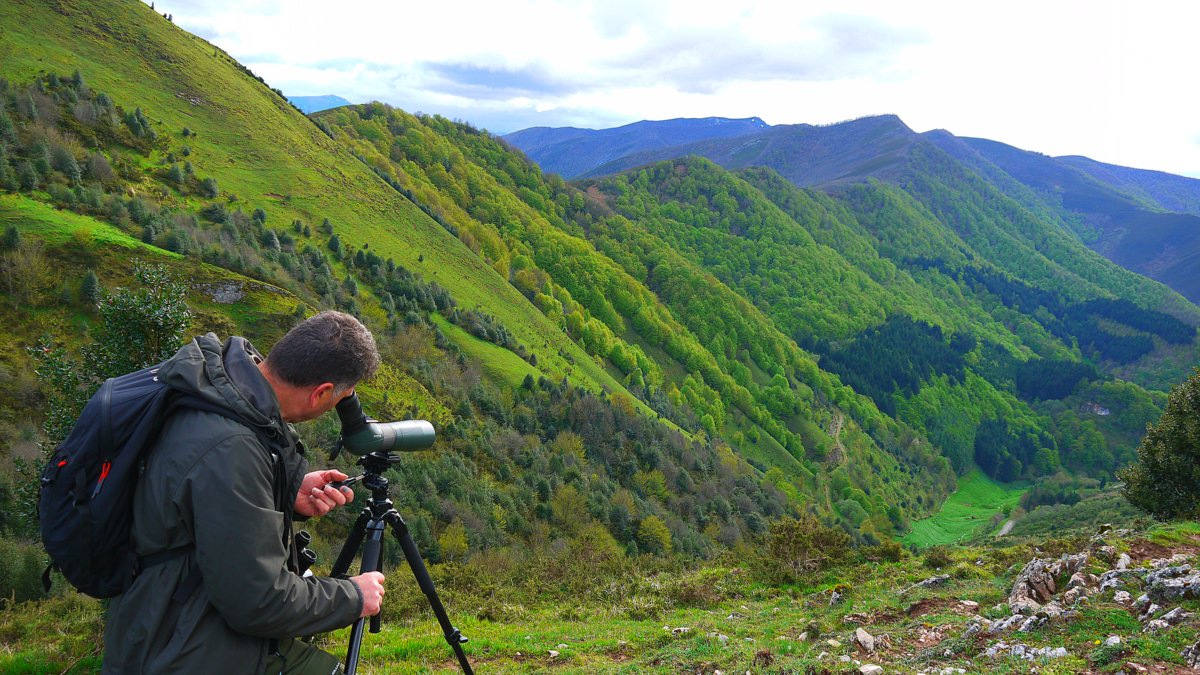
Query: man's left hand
[316, 497]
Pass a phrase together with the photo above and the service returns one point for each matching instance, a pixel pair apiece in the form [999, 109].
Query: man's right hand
[371, 585]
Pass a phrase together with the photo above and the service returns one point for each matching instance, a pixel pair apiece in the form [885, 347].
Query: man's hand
[316, 497]
[371, 585]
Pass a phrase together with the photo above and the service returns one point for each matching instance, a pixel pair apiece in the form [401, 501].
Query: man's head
[318, 363]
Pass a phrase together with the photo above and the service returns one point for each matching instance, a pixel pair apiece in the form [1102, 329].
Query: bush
[21, 567]
[798, 547]
[938, 557]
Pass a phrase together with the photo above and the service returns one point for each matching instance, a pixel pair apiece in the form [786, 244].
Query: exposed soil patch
[1142, 550]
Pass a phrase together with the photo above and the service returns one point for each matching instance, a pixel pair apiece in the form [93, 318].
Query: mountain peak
[312, 104]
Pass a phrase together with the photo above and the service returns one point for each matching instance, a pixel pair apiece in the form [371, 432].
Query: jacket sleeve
[240, 551]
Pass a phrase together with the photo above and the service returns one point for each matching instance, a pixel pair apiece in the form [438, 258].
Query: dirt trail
[839, 450]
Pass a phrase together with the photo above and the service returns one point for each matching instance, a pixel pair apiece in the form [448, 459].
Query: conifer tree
[40, 156]
[11, 238]
[27, 176]
[64, 161]
[1165, 479]
[8, 131]
[89, 291]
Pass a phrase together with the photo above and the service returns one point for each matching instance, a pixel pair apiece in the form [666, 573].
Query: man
[213, 510]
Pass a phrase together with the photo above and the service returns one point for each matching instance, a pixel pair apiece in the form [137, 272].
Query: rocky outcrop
[1169, 584]
[1035, 583]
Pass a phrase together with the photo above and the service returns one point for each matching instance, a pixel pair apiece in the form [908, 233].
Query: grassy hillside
[262, 151]
[979, 505]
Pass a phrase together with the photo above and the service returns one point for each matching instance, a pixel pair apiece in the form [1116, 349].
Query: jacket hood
[225, 374]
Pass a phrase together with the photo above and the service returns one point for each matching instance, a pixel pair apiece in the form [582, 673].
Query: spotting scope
[362, 435]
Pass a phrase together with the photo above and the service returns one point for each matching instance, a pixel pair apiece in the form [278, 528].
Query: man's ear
[317, 395]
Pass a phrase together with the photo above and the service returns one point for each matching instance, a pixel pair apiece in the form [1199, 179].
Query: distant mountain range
[312, 104]
[1145, 221]
[572, 152]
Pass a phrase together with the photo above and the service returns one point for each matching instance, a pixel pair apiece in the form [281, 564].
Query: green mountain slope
[708, 353]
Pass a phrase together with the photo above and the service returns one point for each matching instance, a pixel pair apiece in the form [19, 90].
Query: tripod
[367, 533]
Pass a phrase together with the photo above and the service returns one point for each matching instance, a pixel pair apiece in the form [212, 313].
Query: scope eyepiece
[363, 436]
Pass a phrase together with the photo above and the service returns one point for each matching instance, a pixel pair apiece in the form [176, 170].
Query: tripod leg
[371, 557]
[453, 637]
[350, 549]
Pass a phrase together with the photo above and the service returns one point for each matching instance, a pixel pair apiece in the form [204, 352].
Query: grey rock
[225, 293]
[1191, 655]
[1005, 625]
[1001, 649]
[1082, 580]
[864, 640]
[1031, 622]
[834, 598]
[931, 582]
[1034, 585]
[870, 669]
[1155, 625]
[1175, 616]
[976, 625]
[1169, 584]
[1123, 598]
[1123, 561]
[1112, 641]
[1141, 602]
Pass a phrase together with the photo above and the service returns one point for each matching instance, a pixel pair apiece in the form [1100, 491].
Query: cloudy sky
[1111, 80]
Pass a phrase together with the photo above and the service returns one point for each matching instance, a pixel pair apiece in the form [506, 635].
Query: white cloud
[1107, 79]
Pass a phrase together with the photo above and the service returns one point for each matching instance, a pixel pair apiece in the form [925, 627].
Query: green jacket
[209, 482]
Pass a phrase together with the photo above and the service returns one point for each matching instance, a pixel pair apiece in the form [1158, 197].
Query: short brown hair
[329, 347]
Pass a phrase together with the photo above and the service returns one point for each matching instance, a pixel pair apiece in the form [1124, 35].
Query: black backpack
[85, 505]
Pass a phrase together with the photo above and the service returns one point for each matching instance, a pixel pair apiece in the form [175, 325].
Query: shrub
[654, 536]
[798, 547]
[937, 557]
[208, 188]
[21, 567]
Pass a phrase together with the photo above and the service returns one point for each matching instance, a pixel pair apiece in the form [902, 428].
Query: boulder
[1173, 583]
[1155, 625]
[1175, 616]
[931, 582]
[1123, 598]
[870, 669]
[1123, 561]
[864, 640]
[1033, 587]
